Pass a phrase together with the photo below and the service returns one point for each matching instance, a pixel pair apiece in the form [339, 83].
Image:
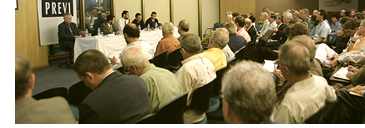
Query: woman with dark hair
[312, 30]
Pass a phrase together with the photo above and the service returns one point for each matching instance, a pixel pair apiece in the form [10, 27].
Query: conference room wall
[209, 14]
[161, 7]
[27, 34]
[283, 5]
[132, 6]
[240, 6]
[185, 9]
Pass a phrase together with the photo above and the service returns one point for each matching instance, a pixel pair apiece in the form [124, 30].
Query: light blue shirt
[335, 28]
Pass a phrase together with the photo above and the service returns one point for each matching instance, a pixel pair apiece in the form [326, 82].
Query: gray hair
[297, 14]
[22, 74]
[229, 16]
[265, 15]
[134, 55]
[232, 28]
[191, 43]
[220, 38]
[168, 28]
[248, 21]
[305, 11]
[253, 99]
[184, 25]
[296, 57]
[288, 16]
[66, 14]
[308, 42]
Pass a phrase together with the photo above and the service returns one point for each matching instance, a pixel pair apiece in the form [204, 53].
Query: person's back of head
[191, 44]
[344, 19]
[240, 20]
[232, 28]
[131, 30]
[220, 38]
[336, 15]
[252, 18]
[308, 42]
[184, 25]
[296, 29]
[249, 93]
[358, 15]
[248, 22]
[23, 76]
[235, 14]
[134, 57]
[295, 57]
[168, 28]
[91, 61]
[350, 24]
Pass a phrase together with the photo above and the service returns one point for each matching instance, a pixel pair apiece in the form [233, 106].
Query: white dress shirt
[121, 23]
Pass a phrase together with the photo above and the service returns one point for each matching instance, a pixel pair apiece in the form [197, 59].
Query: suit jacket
[152, 24]
[106, 29]
[236, 42]
[280, 34]
[118, 99]
[141, 23]
[66, 38]
[252, 32]
[45, 111]
[97, 24]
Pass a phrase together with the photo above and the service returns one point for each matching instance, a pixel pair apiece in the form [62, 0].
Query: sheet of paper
[270, 65]
[341, 73]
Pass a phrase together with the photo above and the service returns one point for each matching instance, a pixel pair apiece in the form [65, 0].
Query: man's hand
[349, 75]
[80, 36]
[152, 28]
[275, 29]
[353, 69]
[358, 89]
[113, 60]
[335, 56]
[334, 63]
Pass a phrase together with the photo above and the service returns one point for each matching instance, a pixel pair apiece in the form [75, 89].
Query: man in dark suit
[31, 111]
[67, 32]
[251, 30]
[152, 21]
[235, 41]
[279, 31]
[138, 21]
[108, 26]
[116, 98]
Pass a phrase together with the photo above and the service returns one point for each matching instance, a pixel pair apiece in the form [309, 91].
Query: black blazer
[280, 34]
[236, 42]
[141, 23]
[119, 99]
[65, 37]
[152, 24]
[252, 32]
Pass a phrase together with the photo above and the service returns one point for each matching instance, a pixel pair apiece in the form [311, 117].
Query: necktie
[69, 27]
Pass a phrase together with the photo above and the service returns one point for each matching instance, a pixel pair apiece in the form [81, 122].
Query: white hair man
[297, 106]
[162, 85]
[214, 53]
[196, 71]
[248, 101]
[287, 18]
[168, 43]
[296, 16]
[264, 17]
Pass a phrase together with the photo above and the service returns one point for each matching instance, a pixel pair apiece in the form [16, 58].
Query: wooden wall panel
[240, 6]
[27, 34]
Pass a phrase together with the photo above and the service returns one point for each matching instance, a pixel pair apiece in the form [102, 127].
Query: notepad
[352, 93]
[341, 73]
[270, 65]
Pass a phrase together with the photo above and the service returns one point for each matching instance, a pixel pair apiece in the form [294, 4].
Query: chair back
[216, 90]
[148, 119]
[216, 25]
[201, 98]
[246, 53]
[172, 112]
[57, 91]
[77, 93]
[174, 59]
[160, 60]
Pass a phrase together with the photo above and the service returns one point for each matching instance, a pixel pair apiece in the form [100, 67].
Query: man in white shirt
[263, 17]
[307, 93]
[272, 24]
[323, 28]
[196, 71]
[123, 21]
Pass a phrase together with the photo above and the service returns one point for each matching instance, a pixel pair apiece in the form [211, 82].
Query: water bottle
[156, 26]
[139, 28]
[148, 27]
[98, 31]
[120, 30]
[87, 33]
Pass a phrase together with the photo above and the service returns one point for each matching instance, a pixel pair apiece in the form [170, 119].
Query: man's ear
[31, 81]
[89, 76]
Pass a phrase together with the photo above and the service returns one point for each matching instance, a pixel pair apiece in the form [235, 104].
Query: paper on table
[352, 93]
[270, 65]
[341, 73]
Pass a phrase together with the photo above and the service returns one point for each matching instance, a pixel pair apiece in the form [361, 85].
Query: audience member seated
[296, 17]
[28, 110]
[162, 85]
[235, 41]
[183, 28]
[287, 18]
[214, 53]
[229, 19]
[297, 105]
[240, 23]
[323, 28]
[251, 30]
[340, 43]
[97, 24]
[352, 13]
[168, 43]
[138, 21]
[304, 14]
[343, 13]
[67, 32]
[116, 98]
[335, 25]
[354, 75]
[265, 24]
[296, 29]
[196, 71]
[313, 29]
[358, 17]
[272, 25]
[234, 16]
[108, 27]
[360, 42]
[248, 101]
[131, 35]
[253, 20]
[123, 21]
[152, 21]
[279, 30]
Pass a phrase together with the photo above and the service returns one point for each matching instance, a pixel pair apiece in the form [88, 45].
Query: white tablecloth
[113, 45]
